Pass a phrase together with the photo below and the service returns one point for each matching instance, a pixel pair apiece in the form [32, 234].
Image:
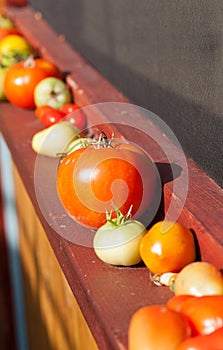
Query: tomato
[213, 341]
[22, 78]
[91, 180]
[117, 241]
[52, 117]
[75, 115]
[55, 139]
[167, 247]
[205, 313]
[41, 110]
[198, 278]
[157, 327]
[14, 48]
[69, 108]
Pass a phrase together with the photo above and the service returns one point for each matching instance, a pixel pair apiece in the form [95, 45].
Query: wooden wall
[54, 320]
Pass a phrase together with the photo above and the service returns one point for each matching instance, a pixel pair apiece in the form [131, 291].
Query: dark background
[164, 55]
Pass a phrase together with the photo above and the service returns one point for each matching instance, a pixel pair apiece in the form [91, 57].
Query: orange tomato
[205, 313]
[213, 341]
[167, 247]
[157, 327]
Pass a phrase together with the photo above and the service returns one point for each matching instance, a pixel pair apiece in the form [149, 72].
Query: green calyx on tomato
[117, 241]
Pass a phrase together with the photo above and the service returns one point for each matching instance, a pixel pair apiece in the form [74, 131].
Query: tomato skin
[169, 250]
[213, 341]
[85, 180]
[75, 115]
[205, 313]
[22, 78]
[157, 327]
[177, 301]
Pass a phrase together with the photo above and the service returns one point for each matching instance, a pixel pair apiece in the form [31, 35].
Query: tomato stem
[120, 218]
[165, 279]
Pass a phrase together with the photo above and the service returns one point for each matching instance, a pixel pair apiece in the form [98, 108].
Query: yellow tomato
[14, 48]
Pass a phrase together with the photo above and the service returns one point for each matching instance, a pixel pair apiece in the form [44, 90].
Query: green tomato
[52, 92]
[117, 241]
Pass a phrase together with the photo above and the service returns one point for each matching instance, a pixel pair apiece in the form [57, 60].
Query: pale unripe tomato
[199, 278]
[118, 244]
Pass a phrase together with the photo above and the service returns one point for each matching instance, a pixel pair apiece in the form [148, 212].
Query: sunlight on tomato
[157, 327]
[167, 247]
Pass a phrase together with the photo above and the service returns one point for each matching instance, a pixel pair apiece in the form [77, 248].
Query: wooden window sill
[106, 295]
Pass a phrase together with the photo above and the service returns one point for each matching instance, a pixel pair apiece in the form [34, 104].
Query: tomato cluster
[185, 322]
[31, 82]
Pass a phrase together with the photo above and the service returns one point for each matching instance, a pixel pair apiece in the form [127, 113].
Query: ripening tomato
[167, 247]
[75, 115]
[91, 180]
[198, 278]
[22, 78]
[14, 48]
[213, 341]
[205, 313]
[157, 327]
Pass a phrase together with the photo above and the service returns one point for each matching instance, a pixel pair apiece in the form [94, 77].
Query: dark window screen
[164, 55]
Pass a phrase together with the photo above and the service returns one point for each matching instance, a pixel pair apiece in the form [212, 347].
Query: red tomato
[75, 115]
[157, 327]
[205, 313]
[52, 117]
[22, 78]
[91, 180]
[41, 110]
[213, 341]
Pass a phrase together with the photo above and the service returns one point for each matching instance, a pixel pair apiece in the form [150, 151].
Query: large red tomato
[213, 341]
[91, 181]
[157, 327]
[22, 78]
